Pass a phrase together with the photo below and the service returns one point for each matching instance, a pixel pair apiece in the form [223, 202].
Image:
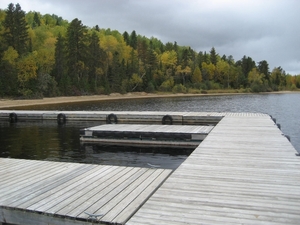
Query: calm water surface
[48, 141]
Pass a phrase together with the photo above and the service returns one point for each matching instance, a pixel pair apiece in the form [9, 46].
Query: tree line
[45, 55]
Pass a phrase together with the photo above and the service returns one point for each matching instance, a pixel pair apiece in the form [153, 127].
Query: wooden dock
[244, 172]
[40, 192]
[175, 136]
[135, 117]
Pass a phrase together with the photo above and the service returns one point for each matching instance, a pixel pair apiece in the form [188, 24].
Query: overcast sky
[262, 29]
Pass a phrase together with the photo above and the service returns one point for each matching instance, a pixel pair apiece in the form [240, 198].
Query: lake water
[48, 141]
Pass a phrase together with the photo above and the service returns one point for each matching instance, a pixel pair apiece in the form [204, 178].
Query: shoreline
[9, 103]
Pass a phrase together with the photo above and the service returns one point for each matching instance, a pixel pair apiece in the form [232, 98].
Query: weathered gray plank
[245, 171]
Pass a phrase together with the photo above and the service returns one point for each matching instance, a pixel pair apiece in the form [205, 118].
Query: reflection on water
[143, 157]
[48, 141]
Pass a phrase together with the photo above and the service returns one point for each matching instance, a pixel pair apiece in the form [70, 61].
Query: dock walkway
[244, 172]
[41, 192]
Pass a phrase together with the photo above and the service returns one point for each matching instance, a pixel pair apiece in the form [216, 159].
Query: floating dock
[244, 172]
[119, 117]
[40, 192]
[175, 136]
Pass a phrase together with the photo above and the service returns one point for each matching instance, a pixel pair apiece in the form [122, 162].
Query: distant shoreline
[10, 103]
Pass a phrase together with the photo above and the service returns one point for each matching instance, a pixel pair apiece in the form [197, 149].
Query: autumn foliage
[45, 55]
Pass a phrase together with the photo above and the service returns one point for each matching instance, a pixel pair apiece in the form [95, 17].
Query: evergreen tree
[206, 58]
[36, 20]
[95, 61]
[8, 79]
[15, 26]
[186, 57]
[247, 65]
[58, 69]
[263, 67]
[200, 59]
[76, 52]
[169, 46]
[142, 48]
[213, 56]
[126, 38]
[114, 74]
[133, 40]
[97, 28]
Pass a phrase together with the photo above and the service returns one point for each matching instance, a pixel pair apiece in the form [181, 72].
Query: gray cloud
[264, 30]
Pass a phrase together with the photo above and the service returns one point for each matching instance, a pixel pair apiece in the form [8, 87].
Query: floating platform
[175, 136]
[41, 192]
[119, 117]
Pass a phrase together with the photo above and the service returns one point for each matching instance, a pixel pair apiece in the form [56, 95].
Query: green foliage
[15, 29]
[45, 55]
[179, 88]
[213, 56]
[167, 85]
[197, 76]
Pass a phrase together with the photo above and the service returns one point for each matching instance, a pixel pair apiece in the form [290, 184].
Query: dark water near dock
[48, 141]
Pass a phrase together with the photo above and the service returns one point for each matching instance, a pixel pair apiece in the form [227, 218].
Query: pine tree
[76, 51]
[126, 38]
[114, 76]
[16, 29]
[95, 61]
[263, 67]
[58, 70]
[36, 20]
[133, 40]
[213, 56]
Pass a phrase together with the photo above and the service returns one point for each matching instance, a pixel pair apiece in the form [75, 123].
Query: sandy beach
[9, 103]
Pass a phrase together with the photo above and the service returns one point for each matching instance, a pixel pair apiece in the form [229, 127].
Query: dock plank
[244, 172]
[60, 193]
[188, 136]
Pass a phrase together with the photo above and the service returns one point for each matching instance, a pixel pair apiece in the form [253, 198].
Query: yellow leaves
[255, 77]
[111, 44]
[186, 70]
[27, 69]
[169, 59]
[135, 79]
[167, 85]
[50, 43]
[222, 67]
[222, 72]
[209, 69]
[10, 55]
[45, 59]
[197, 76]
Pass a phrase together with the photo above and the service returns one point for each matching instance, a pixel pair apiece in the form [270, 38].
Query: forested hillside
[45, 55]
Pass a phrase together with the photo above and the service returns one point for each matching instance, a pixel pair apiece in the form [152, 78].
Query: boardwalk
[40, 192]
[244, 172]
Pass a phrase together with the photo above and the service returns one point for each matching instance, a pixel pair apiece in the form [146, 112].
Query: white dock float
[176, 136]
[40, 192]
